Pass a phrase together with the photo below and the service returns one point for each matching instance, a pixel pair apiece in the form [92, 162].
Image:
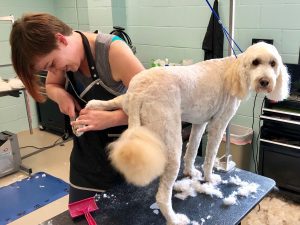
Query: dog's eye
[255, 62]
[273, 63]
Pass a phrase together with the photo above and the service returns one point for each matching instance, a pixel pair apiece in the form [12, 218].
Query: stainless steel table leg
[28, 111]
[26, 169]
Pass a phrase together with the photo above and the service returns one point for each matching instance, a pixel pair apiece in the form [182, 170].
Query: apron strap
[89, 56]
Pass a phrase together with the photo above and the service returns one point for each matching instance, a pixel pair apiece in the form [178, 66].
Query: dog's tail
[139, 155]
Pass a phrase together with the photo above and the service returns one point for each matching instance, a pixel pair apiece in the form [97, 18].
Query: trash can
[240, 146]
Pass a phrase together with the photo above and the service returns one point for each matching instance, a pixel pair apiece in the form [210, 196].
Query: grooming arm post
[7, 18]
[226, 163]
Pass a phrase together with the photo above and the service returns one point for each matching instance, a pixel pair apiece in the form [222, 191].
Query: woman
[81, 67]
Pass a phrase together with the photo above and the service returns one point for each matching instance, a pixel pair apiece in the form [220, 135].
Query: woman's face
[64, 58]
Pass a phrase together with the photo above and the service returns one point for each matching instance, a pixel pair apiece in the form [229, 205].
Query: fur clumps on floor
[274, 210]
[139, 155]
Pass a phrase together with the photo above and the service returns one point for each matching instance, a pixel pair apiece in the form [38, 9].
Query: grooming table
[130, 205]
[16, 93]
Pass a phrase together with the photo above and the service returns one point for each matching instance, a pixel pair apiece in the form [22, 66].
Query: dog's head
[260, 68]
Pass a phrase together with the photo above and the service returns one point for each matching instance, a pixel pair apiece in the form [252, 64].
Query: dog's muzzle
[264, 82]
[263, 85]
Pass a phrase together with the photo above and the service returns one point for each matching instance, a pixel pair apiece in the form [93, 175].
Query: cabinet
[50, 117]
[280, 145]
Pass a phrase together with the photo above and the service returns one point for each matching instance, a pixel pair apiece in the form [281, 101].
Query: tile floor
[55, 161]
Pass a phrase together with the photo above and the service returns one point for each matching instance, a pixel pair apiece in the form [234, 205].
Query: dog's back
[197, 88]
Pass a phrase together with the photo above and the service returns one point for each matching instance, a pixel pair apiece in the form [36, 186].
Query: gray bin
[240, 147]
[10, 157]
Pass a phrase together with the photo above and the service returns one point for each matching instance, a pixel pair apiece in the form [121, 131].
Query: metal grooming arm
[7, 18]
[225, 162]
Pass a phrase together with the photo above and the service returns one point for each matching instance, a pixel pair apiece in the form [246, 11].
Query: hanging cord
[227, 35]
[252, 126]
[255, 154]
[120, 31]
[259, 126]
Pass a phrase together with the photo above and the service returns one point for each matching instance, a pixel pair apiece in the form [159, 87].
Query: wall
[100, 15]
[12, 110]
[73, 12]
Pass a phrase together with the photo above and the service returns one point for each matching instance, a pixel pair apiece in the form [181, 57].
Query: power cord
[259, 126]
[40, 149]
[252, 126]
[255, 154]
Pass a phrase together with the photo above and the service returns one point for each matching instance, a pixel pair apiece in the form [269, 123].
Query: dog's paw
[75, 130]
[213, 179]
[95, 104]
[180, 219]
[193, 173]
[77, 133]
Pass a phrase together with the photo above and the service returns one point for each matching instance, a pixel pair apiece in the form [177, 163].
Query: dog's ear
[282, 87]
[236, 79]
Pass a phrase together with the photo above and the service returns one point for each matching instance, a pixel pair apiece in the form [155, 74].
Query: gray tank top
[84, 83]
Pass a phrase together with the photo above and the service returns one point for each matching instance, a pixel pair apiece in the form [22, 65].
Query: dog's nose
[263, 82]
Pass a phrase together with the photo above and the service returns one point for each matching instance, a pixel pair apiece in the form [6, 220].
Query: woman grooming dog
[81, 66]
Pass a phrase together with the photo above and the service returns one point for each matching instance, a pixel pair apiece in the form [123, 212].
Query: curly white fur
[206, 94]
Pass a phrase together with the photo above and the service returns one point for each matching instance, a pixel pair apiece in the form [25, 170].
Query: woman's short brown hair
[32, 36]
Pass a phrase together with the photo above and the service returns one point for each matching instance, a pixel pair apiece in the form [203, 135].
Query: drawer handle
[278, 143]
[282, 112]
[280, 120]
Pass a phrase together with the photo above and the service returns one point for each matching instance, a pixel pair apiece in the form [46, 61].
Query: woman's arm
[123, 63]
[55, 91]
[124, 66]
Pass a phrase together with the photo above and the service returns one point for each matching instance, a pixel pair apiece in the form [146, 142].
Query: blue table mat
[29, 194]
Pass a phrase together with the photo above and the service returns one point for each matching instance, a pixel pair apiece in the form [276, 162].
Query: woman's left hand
[99, 120]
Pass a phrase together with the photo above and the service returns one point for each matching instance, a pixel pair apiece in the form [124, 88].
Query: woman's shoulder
[104, 38]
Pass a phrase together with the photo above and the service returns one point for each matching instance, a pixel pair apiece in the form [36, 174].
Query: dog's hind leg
[173, 142]
[191, 151]
[113, 104]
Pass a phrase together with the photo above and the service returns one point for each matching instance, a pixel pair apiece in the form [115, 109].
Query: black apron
[89, 164]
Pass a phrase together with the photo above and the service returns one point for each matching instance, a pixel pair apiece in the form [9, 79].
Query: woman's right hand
[67, 104]
[55, 83]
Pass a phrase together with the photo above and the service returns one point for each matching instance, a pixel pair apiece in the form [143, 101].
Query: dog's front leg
[215, 133]
[192, 149]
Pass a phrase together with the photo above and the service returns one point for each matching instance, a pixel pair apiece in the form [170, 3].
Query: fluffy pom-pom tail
[139, 155]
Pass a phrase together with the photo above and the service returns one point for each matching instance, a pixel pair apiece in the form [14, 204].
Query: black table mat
[129, 205]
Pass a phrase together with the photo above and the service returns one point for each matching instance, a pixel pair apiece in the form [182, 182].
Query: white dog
[206, 94]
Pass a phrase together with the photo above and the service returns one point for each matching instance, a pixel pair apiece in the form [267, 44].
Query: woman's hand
[99, 120]
[67, 104]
